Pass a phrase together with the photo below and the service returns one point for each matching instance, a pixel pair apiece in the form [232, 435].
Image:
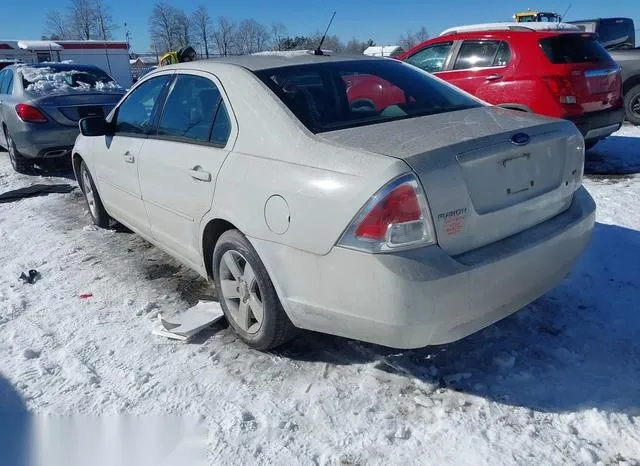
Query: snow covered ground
[558, 382]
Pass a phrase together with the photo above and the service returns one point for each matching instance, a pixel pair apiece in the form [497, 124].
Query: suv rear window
[573, 48]
[344, 94]
[616, 33]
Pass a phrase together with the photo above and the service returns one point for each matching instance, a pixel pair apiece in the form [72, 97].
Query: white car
[416, 220]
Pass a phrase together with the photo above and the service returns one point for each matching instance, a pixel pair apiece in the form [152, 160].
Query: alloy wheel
[88, 193]
[241, 291]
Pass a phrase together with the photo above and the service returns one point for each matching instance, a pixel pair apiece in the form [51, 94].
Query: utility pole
[127, 35]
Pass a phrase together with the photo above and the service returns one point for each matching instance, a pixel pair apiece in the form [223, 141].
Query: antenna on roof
[318, 51]
[565, 13]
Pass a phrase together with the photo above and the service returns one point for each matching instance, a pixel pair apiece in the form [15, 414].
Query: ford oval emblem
[520, 139]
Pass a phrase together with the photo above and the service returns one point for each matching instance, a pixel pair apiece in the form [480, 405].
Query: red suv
[551, 72]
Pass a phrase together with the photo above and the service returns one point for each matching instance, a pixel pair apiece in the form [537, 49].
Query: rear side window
[344, 94]
[431, 59]
[482, 54]
[190, 109]
[574, 48]
[7, 86]
[3, 75]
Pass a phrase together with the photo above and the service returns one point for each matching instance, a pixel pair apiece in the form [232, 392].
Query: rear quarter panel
[324, 185]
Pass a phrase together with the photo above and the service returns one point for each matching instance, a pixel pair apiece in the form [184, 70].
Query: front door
[118, 155]
[180, 163]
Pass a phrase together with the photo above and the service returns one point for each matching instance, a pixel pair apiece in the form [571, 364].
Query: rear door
[4, 76]
[180, 163]
[117, 156]
[480, 67]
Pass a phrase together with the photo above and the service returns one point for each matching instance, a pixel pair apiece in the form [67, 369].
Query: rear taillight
[561, 88]
[397, 216]
[30, 114]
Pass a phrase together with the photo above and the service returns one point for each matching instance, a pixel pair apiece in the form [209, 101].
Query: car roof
[264, 62]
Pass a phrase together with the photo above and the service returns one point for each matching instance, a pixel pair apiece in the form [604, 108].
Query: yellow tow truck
[537, 17]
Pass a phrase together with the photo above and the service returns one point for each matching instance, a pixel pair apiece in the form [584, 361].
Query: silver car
[40, 106]
[416, 219]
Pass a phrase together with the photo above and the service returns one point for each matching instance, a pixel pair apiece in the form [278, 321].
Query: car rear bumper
[40, 141]
[598, 125]
[423, 297]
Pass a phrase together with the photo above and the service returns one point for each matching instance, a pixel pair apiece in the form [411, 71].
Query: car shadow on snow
[576, 347]
[616, 155]
[15, 426]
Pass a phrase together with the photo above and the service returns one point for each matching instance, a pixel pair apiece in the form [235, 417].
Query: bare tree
[104, 20]
[201, 22]
[251, 37]
[56, 26]
[182, 29]
[422, 34]
[82, 19]
[278, 36]
[162, 26]
[355, 46]
[224, 36]
[410, 39]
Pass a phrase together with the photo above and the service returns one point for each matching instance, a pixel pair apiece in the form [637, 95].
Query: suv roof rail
[506, 26]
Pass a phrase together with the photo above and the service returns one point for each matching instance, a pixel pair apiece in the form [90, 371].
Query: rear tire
[632, 105]
[96, 209]
[246, 294]
[20, 163]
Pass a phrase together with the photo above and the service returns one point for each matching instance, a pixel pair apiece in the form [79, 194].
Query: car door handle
[494, 77]
[198, 174]
[127, 157]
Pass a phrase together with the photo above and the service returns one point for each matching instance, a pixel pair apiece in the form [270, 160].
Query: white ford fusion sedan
[358, 197]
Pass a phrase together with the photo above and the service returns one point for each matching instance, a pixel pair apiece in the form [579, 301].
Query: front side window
[3, 75]
[343, 94]
[476, 54]
[431, 59]
[191, 109]
[135, 115]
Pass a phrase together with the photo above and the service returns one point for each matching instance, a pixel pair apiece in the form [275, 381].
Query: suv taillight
[397, 216]
[30, 114]
[561, 88]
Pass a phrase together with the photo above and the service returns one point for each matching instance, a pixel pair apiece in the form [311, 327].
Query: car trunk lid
[488, 173]
[68, 109]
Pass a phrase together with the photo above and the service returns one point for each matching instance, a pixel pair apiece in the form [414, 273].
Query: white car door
[179, 164]
[117, 155]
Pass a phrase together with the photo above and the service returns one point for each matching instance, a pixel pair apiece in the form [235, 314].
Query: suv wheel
[632, 104]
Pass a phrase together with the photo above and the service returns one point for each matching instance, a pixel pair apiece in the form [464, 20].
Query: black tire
[632, 105]
[275, 327]
[588, 145]
[95, 207]
[19, 162]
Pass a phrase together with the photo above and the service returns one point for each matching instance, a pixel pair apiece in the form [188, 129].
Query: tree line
[171, 28]
[80, 20]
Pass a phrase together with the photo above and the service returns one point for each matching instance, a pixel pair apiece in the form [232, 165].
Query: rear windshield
[43, 79]
[616, 33]
[343, 94]
[574, 48]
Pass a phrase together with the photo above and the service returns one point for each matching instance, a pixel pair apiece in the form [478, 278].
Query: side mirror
[95, 126]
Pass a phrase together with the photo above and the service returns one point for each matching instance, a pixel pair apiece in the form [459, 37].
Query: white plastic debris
[186, 324]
